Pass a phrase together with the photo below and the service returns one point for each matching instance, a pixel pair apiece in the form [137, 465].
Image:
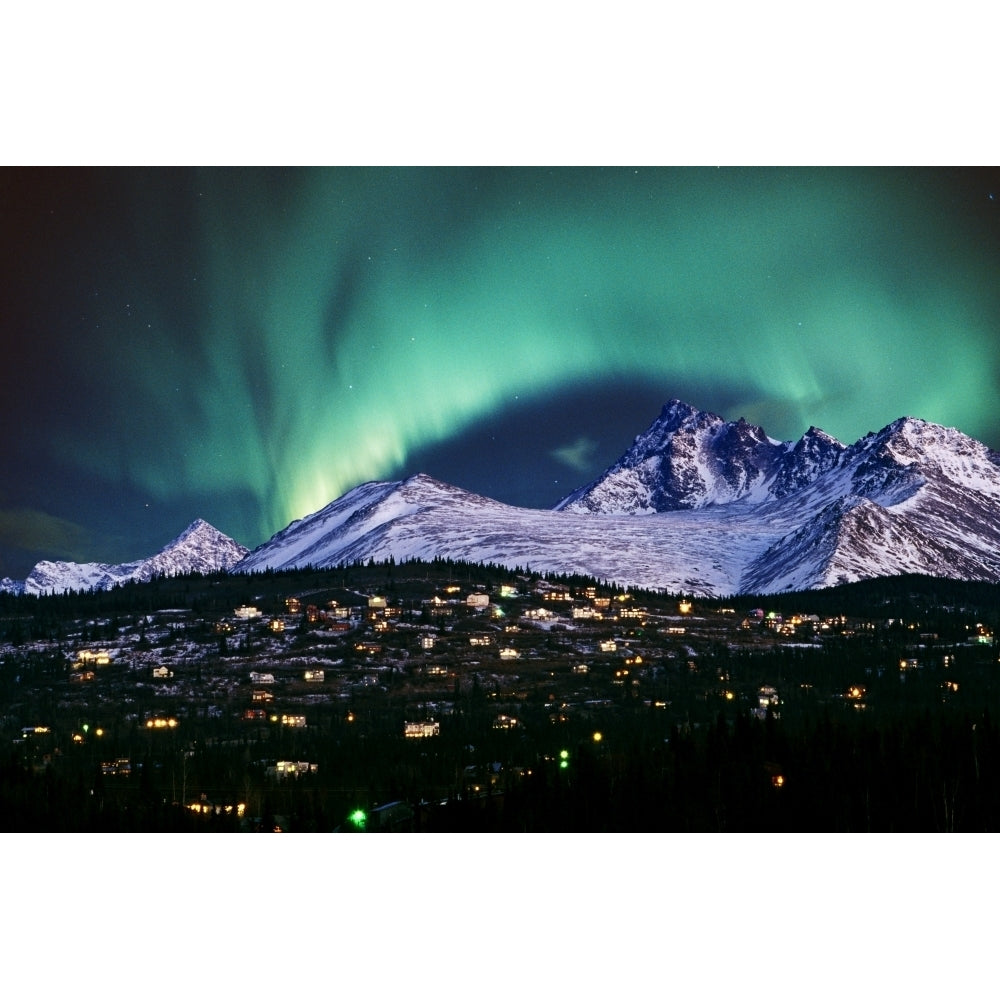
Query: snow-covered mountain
[689, 459]
[700, 505]
[200, 548]
[913, 498]
[420, 518]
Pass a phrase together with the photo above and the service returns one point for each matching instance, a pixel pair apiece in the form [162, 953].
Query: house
[767, 695]
[509, 653]
[314, 676]
[767, 701]
[259, 678]
[553, 591]
[291, 769]
[246, 612]
[539, 614]
[260, 696]
[93, 657]
[427, 642]
[162, 673]
[438, 607]
[419, 730]
[294, 721]
[478, 601]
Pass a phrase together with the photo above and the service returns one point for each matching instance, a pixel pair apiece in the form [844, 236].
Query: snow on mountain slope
[420, 518]
[913, 498]
[689, 459]
[57, 577]
[200, 548]
[697, 505]
[702, 506]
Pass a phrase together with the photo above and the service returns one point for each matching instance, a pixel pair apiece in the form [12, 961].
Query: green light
[359, 818]
[805, 280]
[563, 759]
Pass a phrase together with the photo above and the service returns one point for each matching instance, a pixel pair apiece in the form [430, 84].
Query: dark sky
[246, 345]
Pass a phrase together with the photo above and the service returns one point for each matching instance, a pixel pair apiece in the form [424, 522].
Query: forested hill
[898, 596]
[894, 596]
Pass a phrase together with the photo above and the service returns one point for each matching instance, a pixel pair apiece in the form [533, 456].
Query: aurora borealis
[246, 345]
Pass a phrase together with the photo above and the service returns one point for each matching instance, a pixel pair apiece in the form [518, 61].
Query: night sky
[246, 345]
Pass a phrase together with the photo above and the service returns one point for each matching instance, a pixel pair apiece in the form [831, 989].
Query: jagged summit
[691, 458]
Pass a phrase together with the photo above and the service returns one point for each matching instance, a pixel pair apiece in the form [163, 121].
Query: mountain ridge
[199, 548]
[691, 458]
[697, 504]
[703, 505]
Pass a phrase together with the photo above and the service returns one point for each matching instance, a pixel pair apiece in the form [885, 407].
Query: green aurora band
[330, 323]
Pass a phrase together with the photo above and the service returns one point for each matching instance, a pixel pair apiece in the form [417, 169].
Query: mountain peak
[690, 458]
[676, 412]
[199, 548]
[196, 529]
